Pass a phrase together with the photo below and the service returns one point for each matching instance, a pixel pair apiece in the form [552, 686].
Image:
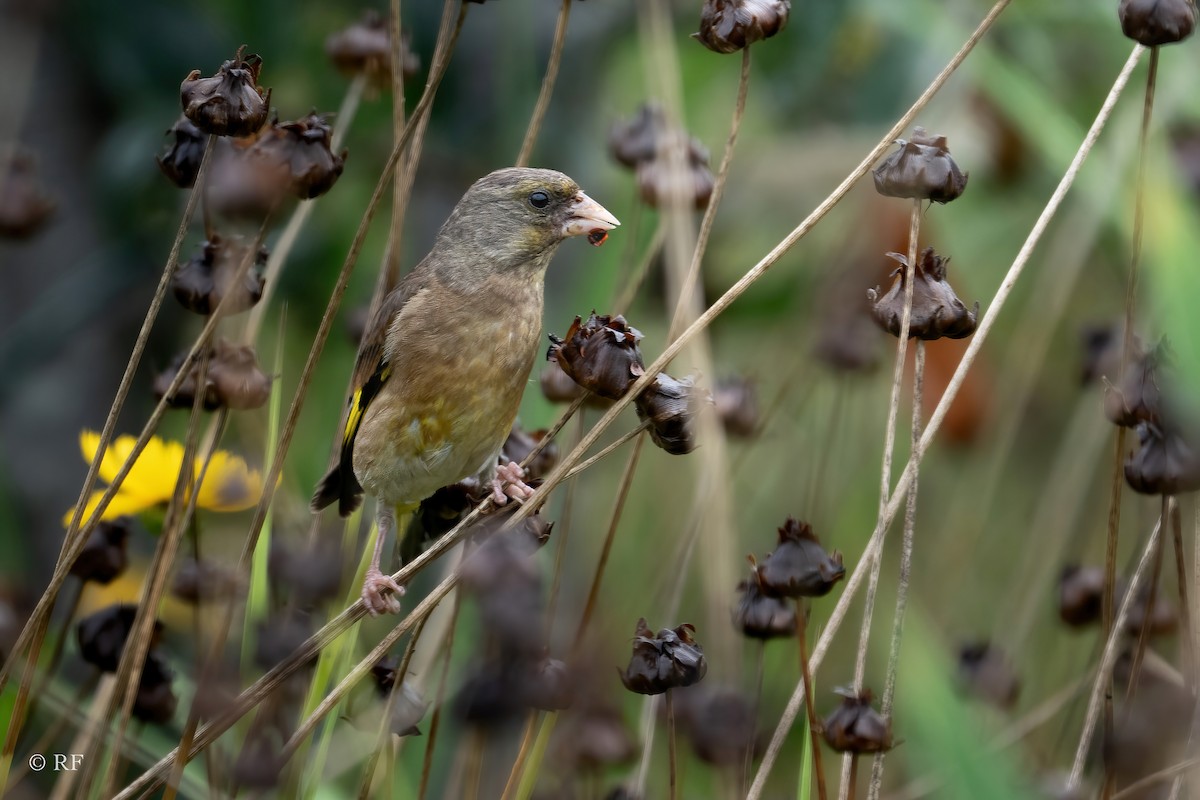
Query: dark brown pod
[1165, 463]
[24, 203]
[594, 737]
[1156, 22]
[205, 581]
[736, 402]
[799, 566]
[280, 636]
[921, 169]
[365, 48]
[936, 309]
[669, 659]
[1101, 344]
[636, 140]
[984, 671]
[856, 727]
[155, 701]
[658, 183]
[1138, 396]
[762, 616]
[180, 162]
[670, 406]
[102, 635]
[185, 394]
[520, 443]
[719, 721]
[1080, 595]
[230, 103]
[727, 26]
[559, 387]
[243, 187]
[549, 685]
[601, 354]
[300, 152]
[201, 283]
[104, 557]
[259, 762]
[235, 375]
[312, 574]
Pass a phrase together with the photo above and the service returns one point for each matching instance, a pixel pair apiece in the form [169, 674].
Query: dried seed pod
[205, 581]
[280, 636]
[1155, 22]
[202, 282]
[727, 26]
[102, 635]
[24, 204]
[1166, 462]
[667, 660]
[1163, 616]
[312, 573]
[921, 169]
[1139, 397]
[559, 387]
[235, 375]
[636, 140]
[595, 737]
[185, 395]
[936, 309]
[670, 406]
[799, 566]
[985, 672]
[259, 762]
[104, 556]
[155, 701]
[856, 727]
[1080, 594]
[180, 162]
[243, 187]
[719, 721]
[601, 355]
[300, 153]
[520, 444]
[365, 48]
[549, 685]
[436, 516]
[1101, 345]
[660, 185]
[762, 616]
[230, 103]
[737, 406]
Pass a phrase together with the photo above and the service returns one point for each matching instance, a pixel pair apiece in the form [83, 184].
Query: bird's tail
[339, 484]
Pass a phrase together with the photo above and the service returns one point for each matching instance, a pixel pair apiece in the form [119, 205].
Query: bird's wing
[371, 371]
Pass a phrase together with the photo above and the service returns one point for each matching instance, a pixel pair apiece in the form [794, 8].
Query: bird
[445, 360]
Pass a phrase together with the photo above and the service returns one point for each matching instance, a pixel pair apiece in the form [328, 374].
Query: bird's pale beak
[586, 216]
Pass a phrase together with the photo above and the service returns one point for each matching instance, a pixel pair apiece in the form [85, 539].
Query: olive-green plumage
[444, 363]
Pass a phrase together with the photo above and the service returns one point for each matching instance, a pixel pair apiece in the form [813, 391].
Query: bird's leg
[380, 593]
[506, 482]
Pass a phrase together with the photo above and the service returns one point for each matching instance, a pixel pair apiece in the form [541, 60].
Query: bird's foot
[380, 593]
[508, 483]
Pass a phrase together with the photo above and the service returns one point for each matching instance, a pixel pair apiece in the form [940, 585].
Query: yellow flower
[229, 485]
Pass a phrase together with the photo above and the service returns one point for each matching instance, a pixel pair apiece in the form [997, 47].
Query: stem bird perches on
[544, 94]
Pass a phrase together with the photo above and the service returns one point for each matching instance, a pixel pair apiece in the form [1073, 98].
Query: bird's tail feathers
[339, 484]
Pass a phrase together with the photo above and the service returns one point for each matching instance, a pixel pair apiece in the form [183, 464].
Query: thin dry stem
[671, 744]
[435, 721]
[547, 90]
[871, 551]
[814, 723]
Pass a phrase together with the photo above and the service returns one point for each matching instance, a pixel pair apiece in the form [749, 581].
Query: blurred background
[1014, 490]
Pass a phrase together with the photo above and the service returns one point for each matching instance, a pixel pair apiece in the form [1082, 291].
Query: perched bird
[443, 364]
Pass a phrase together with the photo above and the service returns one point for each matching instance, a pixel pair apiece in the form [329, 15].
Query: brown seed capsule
[1138, 398]
[102, 635]
[594, 737]
[799, 566]
[921, 169]
[104, 556]
[660, 185]
[549, 685]
[1101, 345]
[312, 573]
[670, 406]
[230, 103]
[205, 581]
[520, 444]
[1155, 22]
[985, 672]
[436, 516]
[280, 636]
[1080, 594]
[667, 660]
[761, 616]
[936, 309]
[727, 26]
[636, 140]
[259, 762]
[24, 204]
[1166, 462]
[300, 153]
[559, 387]
[202, 282]
[855, 727]
[233, 379]
[185, 395]
[365, 48]
[181, 160]
[737, 405]
[719, 721]
[601, 355]
[243, 187]
[155, 702]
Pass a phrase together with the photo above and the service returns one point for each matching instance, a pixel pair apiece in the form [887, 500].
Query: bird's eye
[539, 199]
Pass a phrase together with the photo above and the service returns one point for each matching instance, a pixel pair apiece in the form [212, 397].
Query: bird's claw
[508, 483]
[380, 593]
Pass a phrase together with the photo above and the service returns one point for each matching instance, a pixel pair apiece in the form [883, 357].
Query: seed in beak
[597, 237]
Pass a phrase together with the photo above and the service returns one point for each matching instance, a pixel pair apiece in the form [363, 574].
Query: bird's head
[515, 218]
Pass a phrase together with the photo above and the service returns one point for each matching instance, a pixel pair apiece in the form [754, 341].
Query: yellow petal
[229, 484]
[122, 504]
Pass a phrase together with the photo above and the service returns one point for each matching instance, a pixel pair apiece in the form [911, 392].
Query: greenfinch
[444, 362]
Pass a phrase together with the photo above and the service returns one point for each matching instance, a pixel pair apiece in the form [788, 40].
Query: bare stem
[543, 100]
[436, 720]
[671, 743]
[814, 724]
